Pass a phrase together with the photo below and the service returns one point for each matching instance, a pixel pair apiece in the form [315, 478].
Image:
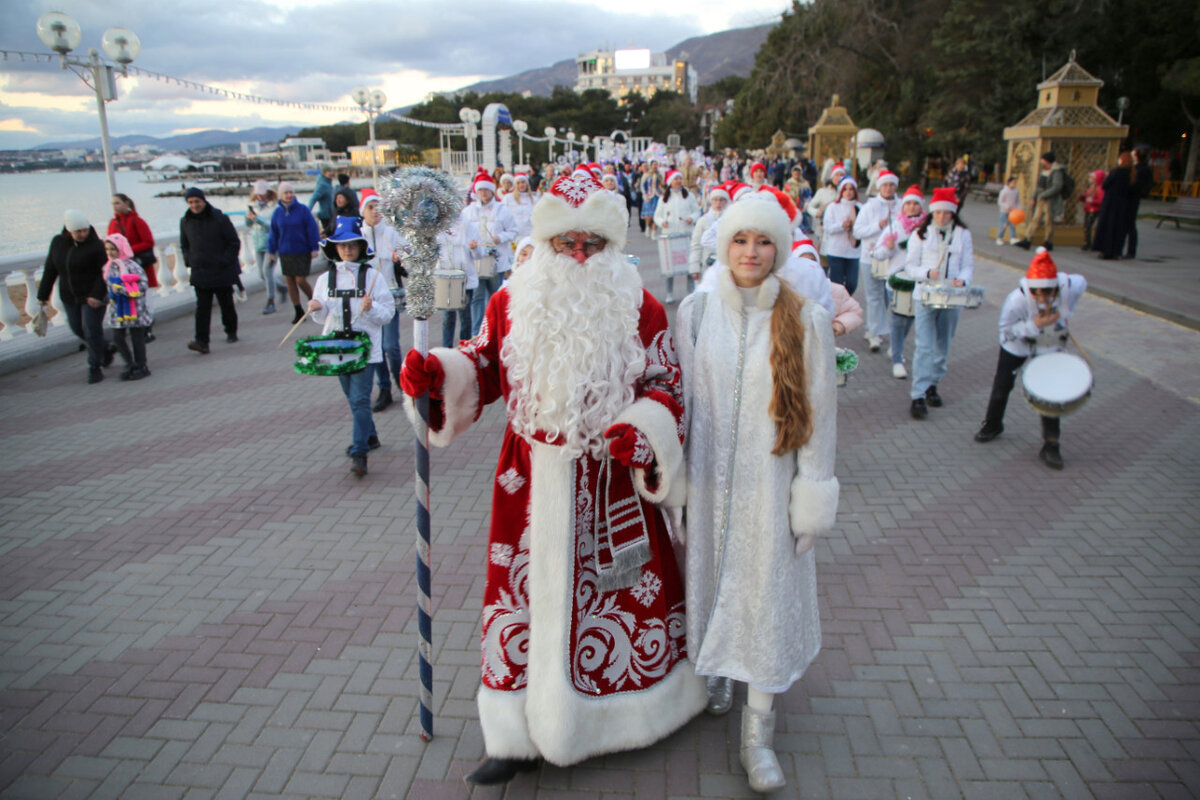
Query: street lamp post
[470, 118]
[61, 34]
[571, 146]
[550, 133]
[585, 139]
[520, 126]
[371, 102]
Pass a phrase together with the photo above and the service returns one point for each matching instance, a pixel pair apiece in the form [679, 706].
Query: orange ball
[1016, 216]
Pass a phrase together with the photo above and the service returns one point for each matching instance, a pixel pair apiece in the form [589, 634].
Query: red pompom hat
[756, 166]
[1042, 272]
[887, 176]
[944, 199]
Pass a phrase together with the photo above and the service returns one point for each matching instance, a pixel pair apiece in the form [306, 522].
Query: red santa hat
[887, 176]
[803, 247]
[737, 189]
[1042, 272]
[482, 180]
[944, 199]
[838, 168]
[670, 176]
[784, 199]
[756, 166]
[915, 194]
[720, 190]
[577, 202]
[367, 195]
[760, 214]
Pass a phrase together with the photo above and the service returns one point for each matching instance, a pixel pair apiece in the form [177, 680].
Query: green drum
[333, 354]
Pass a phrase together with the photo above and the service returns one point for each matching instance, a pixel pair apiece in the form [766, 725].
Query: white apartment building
[620, 72]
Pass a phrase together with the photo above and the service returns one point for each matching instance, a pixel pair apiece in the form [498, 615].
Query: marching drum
[673, 254]
[944, 294]
[449, 289]
[486, 267]
[1056, 383]
[879, 268]
[902, 295]
[333, 353]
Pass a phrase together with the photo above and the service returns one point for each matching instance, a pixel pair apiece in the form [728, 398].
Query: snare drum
[485, 267]
[944, 294]
[333, 354]
[1056, 383]
[902, 295]
[673, 254]
[879, 268]
[449, 289]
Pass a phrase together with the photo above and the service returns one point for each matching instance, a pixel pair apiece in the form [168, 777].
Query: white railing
[174, 294]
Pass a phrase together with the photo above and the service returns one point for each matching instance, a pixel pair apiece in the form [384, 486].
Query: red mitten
[422, 374]
[629, 446]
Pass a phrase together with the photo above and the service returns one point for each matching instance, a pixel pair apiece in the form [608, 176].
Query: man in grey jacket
[1048, 202]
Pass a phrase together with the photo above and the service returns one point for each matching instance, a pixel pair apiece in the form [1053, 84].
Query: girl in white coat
[759, 374]
[839, 245]
[675, 215]
[520, 202]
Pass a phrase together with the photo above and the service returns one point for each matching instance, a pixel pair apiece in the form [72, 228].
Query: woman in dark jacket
[210, 246]
[1112, 223]
[76, 260]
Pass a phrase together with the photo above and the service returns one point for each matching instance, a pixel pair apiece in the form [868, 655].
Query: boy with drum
[1033, 321]
[353, 297]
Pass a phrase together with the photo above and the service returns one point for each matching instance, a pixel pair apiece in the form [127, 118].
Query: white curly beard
[572, 354]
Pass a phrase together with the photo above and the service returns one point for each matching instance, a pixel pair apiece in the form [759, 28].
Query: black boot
[918, 409]
[385, 399]
[1024, 244]
[95, 375]
[358, 464]
[988, 431]
[298, 315]
[1051, 456]
[500, 770]
[933, 398]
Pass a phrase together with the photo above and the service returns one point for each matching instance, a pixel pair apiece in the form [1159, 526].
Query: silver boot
[758, 754]
[720, 695]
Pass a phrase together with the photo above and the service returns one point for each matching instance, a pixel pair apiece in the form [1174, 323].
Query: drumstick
[1082, 352]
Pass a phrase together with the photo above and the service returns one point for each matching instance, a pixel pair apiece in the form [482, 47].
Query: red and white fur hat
[577, 202]
[1042, 272]
[944, 199]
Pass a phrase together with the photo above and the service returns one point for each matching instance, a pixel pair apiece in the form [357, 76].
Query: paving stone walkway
[198, 601]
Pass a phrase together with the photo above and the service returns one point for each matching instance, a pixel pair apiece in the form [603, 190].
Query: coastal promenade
[197, 600]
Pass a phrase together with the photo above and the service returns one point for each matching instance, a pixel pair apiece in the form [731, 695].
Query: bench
[988, 191]
[1184, 208]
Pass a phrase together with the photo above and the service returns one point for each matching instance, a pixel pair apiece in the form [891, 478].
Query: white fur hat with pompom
[759, 213]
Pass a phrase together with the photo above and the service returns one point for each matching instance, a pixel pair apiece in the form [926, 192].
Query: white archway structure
[497, 140]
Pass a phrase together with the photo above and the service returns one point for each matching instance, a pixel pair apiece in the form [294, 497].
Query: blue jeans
[357, 388]
[935, 330]
[843, 271]
[877, 305]
[463, 317]
[390, 342]
[1005, 224]
[479, 299]
[266, 271]
[901, 325]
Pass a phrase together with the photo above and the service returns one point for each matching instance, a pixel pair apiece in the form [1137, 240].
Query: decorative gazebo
[1069, 122]
[833, 136]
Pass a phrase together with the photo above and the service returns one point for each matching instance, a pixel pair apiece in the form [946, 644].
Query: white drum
[485, 267]
[944, 294]
[673, 254]
[1056, 383]
[449, 289]
[879, 268]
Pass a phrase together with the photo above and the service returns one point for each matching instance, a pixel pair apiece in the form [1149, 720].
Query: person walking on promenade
[759, 389]
[940, 250]
[959, 179]
[1034, 320]
[76, 261]
[1112, 222]
[1143, 184]
[452, 254]
[387, 245]
[650, 186]
[210, 247]
[1091, 200]
[519, 203]
[126, 222]
[675, 215]
[877, 222]
[258, 220]
[127, 307]
[823, 197]
[294, 238]
[490, 230]
[583, 611]
[321, 202]
[1048, 201]
[351, 297]
[1007, 201]
[839, 244]
[912, 214]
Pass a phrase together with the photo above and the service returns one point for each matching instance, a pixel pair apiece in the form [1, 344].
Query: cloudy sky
[317, 51]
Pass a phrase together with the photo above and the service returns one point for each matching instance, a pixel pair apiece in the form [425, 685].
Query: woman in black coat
[1112, 223]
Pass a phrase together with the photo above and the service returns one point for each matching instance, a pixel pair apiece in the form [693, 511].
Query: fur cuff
[460, 397]
[813, 505]
[654, 420]
[505, 729]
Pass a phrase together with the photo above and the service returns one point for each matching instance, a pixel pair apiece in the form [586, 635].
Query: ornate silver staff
[421, 203]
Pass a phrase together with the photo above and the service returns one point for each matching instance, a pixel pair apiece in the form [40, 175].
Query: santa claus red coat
[583, 631]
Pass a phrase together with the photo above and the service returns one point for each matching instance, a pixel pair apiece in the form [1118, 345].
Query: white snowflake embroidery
[501, 555]
[642, 454]
[511, 480]
[647, 588]
[576, 187]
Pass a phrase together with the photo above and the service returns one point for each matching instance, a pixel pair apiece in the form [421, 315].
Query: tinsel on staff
[421, 203]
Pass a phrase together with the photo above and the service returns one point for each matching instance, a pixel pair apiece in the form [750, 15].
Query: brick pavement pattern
[198, 601]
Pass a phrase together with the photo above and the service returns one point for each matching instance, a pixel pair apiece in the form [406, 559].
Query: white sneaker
[874, 342]
[899, 372]
[999, 241]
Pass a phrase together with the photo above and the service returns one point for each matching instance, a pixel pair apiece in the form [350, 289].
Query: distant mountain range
[713, 57]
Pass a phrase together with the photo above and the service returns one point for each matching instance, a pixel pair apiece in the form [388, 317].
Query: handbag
[38, 323]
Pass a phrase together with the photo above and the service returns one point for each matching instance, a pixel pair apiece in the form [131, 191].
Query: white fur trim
[813, 505]
[601, 214]
[761, 213]
[460, 393]
[942, 205]
[768, 291]
[654, 420]
[563, 725]
[505, 731]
